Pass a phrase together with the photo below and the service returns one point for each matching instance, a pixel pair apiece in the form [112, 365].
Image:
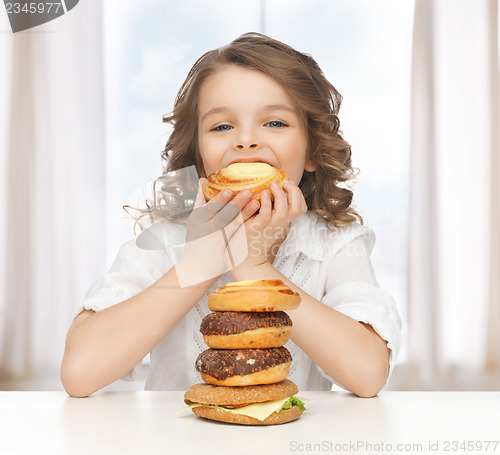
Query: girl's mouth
[251, 160]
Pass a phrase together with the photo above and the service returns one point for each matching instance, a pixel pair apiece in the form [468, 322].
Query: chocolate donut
[239, 367]
[243, 330]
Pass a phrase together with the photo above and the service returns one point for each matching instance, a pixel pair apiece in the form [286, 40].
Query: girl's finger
[264, 215]
[229, 211]
[296, 202]
[246, 212]
[249, 209]
[200, 198]
[280, 200]
[204, 212]
[220, 199]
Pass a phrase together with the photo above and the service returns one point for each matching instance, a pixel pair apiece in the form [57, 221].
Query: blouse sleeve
[133, 270]
[352, 289]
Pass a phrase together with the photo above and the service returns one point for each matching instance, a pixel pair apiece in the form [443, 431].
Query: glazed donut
[255, 177]
[254, 295]
[238, 330]
[241, 367]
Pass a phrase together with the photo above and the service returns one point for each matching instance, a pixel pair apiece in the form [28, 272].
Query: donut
[254, 295]
[238, 330]
[255, 177]
[241, 367]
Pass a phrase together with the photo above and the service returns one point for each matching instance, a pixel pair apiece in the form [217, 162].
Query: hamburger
[265, 404]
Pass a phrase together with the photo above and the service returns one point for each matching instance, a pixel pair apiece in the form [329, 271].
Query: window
[364, 48]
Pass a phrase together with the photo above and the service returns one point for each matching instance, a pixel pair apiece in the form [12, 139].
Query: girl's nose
[249, 146]
[246, 140]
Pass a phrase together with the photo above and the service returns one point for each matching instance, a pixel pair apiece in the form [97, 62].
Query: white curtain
[52, 190]
[52, 187]
[454, 231]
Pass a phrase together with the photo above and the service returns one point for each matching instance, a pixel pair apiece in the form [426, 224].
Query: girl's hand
[270, 226]
[214, 241]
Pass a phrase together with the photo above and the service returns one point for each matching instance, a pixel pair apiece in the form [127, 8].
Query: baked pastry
[244, 330]
[267, 404]
[241, 367]
[255, 177]
[254, 295]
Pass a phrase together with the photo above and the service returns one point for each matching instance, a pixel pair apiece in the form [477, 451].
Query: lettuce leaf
[292, 401]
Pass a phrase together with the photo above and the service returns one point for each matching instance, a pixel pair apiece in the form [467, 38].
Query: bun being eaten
[255, 177]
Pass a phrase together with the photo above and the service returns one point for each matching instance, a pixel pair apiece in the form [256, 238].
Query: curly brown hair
[318, 102]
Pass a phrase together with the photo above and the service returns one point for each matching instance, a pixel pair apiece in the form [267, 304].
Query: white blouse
[332, 266]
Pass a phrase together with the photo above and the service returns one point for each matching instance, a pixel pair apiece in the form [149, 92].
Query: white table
[337, 422]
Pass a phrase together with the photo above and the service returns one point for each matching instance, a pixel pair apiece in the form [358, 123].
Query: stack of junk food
[246, 365]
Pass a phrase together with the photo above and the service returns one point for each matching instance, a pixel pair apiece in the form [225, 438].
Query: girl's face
[244, 115]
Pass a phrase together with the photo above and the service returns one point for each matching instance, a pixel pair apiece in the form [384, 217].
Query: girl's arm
[103, 346]
[351, 352]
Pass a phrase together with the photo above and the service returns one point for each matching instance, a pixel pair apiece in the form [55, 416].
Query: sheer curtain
[454, 232]
[52, 158]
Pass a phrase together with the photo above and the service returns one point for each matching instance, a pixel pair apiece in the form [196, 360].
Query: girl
[255, 99]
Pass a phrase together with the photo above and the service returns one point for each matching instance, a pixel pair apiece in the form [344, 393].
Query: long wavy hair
[326, 190]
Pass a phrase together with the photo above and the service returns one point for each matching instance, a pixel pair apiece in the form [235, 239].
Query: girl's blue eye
[222, 128]
[275, 124]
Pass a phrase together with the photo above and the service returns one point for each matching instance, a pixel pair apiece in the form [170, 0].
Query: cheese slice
[260, 411]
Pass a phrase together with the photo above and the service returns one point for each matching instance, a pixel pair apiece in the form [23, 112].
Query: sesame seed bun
[222, 416]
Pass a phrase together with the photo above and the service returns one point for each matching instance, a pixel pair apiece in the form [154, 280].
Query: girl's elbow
[75, 392]
[74, 382]
[367, 391]
[375, 371]
[372, 383]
